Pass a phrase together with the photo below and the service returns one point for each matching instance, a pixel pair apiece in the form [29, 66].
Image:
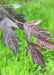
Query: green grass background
[20, 64]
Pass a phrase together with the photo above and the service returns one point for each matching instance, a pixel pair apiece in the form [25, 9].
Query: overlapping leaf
[9, 36]
[18, 16]
[30, 27]
[13, 15]
[42, 36]
[8, 22]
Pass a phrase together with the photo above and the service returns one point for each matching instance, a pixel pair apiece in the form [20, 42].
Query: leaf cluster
[10, 19]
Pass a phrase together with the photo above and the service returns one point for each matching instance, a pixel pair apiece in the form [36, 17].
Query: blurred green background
[20, 64]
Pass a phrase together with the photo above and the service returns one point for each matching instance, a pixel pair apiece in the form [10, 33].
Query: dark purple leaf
[36, 55]
[9, 36]
[40, 32]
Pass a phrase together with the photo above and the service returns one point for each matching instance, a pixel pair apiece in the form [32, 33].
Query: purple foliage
[11, 19]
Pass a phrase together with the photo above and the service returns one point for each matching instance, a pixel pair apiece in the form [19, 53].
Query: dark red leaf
[45, 42]
[36, 46]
